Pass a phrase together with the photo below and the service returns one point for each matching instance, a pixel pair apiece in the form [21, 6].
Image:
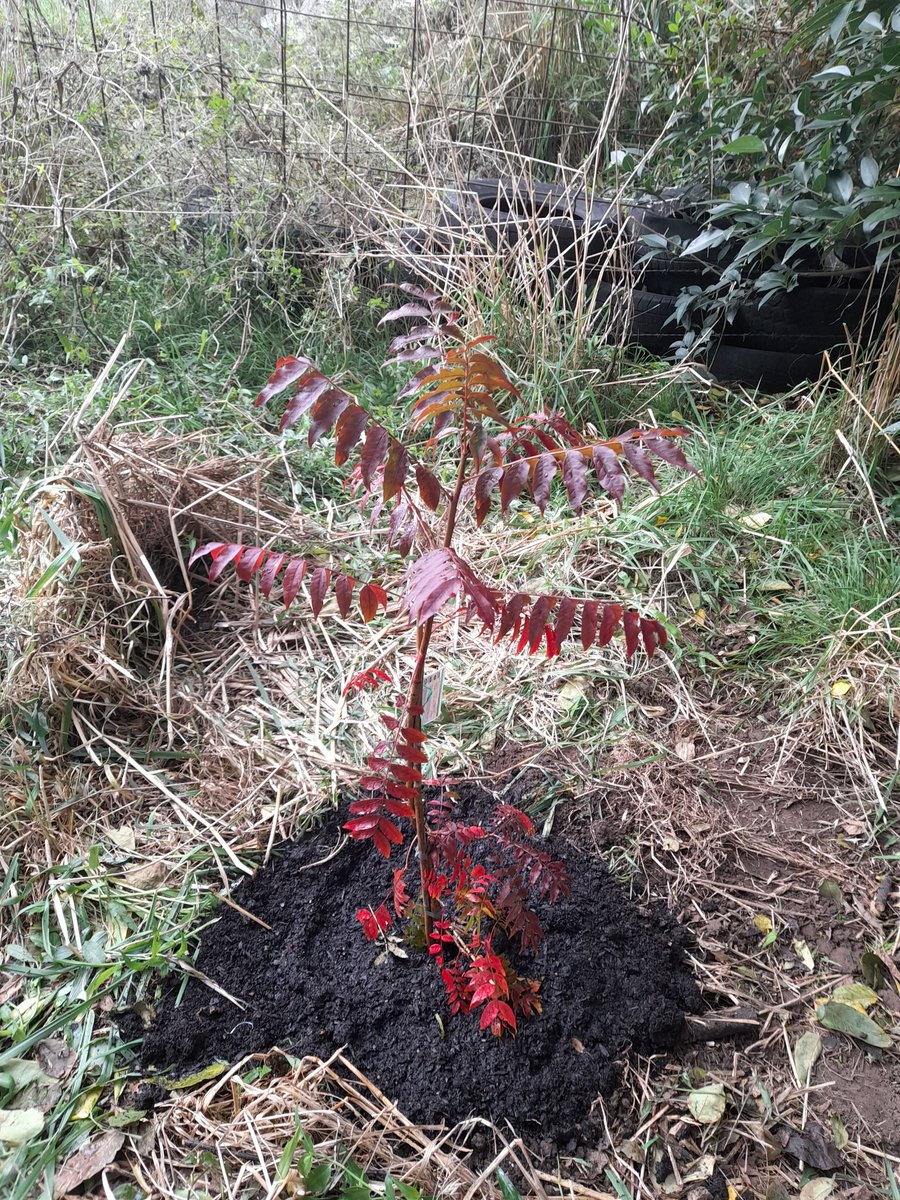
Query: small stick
[880, 899]
[722, 1026]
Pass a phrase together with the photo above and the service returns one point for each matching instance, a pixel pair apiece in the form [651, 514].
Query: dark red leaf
[318, 588]
[328, 408]
[348, 431]
[511, 612]
[223, 557]
[544, 470]
[405, 310]
[609, 472]
[564, 618]
[213, 549]
[286, 371]
[390, 831]
[429, 488]
[373, 453]
[589, 623]
[540, 610]
[612, 615]
[648, 635]
[641, 463]
[631, 622]
[395, 469]
[411, 734]
[371, 595]
[485, 485]
[309, 389]
[248, 562]
[343, 590]
[662, 636]
[670, 452]
[416, 382]
[515, 477]
[293, 577]
[574, 474]
[269, 573]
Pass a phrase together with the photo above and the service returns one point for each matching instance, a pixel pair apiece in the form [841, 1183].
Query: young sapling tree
[477, 883]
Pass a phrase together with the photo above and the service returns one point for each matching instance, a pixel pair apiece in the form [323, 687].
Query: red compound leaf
[374, 922]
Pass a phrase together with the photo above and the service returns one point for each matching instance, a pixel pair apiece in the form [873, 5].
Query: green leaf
[855, 994]
[844, 1019]
[707, 1104]
[872, 969]
[840, 185]
[20, 1125]
[748, 144]
[213, 1071]
[703, 241]
[839, 1132]
[806, 1051]
[508, 1190]
[317, 1180]
[868, 170]
[829, 890]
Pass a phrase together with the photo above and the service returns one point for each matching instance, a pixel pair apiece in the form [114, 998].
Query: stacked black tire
[631, 260]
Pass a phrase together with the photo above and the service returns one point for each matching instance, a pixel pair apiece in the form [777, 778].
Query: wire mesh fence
[186, 114]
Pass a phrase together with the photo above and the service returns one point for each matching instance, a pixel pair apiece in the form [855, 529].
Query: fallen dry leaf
[88, 1161]
[685, 749]
[55, 1058]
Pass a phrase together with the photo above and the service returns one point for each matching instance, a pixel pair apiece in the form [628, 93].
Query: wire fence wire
[181, 114]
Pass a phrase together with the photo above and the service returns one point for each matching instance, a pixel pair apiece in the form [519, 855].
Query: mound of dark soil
[613, 976]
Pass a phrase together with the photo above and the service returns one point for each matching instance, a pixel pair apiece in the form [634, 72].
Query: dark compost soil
[613, 976]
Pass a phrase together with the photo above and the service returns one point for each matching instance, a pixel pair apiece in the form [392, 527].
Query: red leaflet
[375, 922]
[310, 387]
[640, 462]
[269, 573]
[609, 472]
[287, 370]
[538, 619]
[544, 470]
[318, 588]
[222, 556]
[395, 470]
[498, 1017]
[293, 577]
[515, 477]
[348, 431]
[564, 618]
[372, 678]
[329, 407]
[485, 484]
[429, 488]
[648, 635]
[343, 591]
[401, 895]
[373, 454]
[631, 622]
[575, 478]
[588, 623]
[612, 615]
[371, 595]
[248, 562]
